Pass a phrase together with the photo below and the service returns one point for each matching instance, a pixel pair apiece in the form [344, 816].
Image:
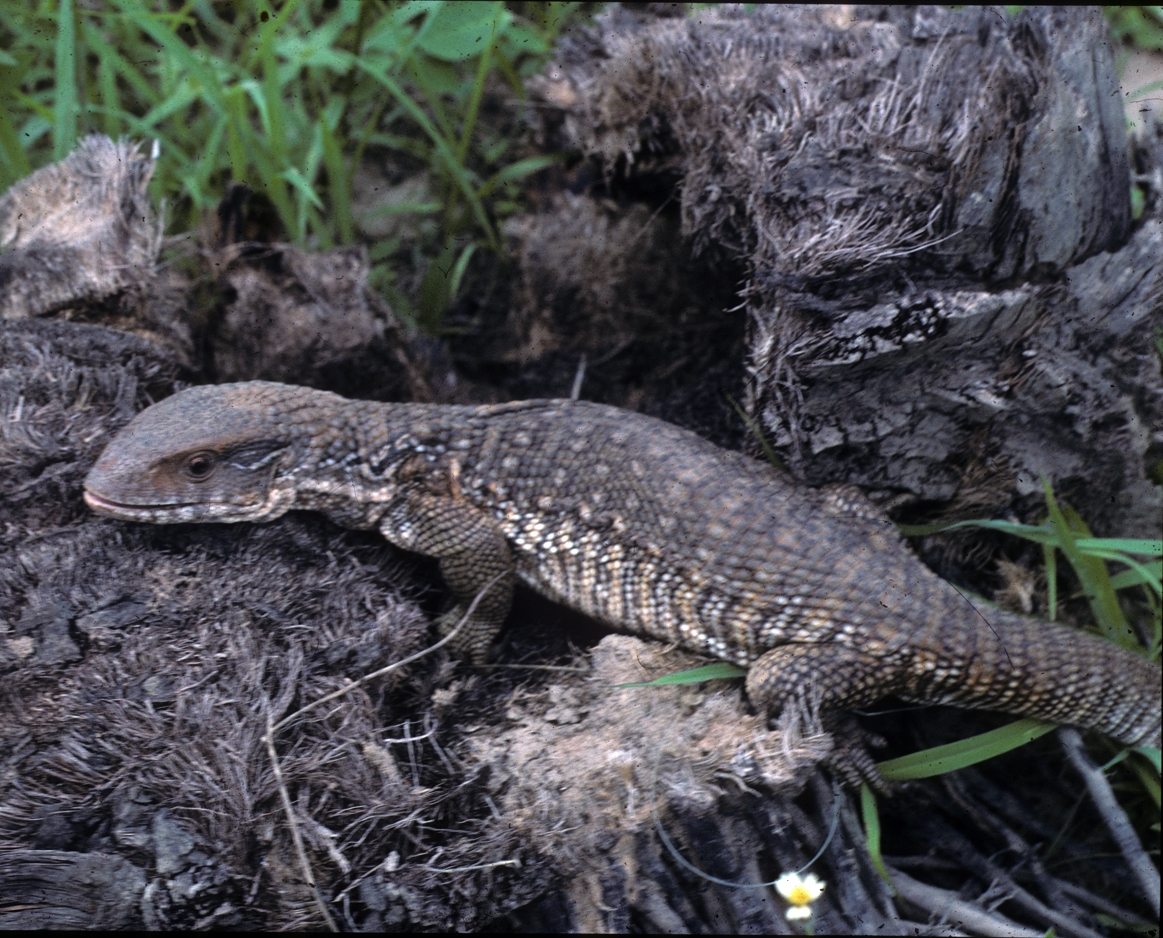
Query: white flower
[800, 893]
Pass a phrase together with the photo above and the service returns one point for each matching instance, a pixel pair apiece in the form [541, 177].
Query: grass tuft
[286, 99]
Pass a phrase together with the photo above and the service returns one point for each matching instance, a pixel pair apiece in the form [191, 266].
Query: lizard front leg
[833, 678]
[472, 552]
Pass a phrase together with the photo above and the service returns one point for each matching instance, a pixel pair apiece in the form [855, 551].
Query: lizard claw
[850, 760]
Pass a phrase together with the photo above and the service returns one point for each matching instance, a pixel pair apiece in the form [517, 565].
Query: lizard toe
[850, 759]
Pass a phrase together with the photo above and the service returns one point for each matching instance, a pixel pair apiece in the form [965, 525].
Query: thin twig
[399, 664]
[951, 908]
[478, 866]
[578, 378]
[269, 739]
[1112, 813]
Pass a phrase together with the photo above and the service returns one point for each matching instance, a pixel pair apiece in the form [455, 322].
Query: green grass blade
[267, 176]
[418, 208]
[165, 37]
[1050, 553]
[872, 831]
[711, 672]
[208, 158]
[181, 98]
[274, 27]
[254, 92]
[1091, 571]
[272, 94]
[474, 102]
[964, 752]
[301, 185]
[505, 67]
[517, 171]
[110, 99]
[235, 149]
[447, 156]
[66, 107]
[364, 136]
[404, 144]
[386, 33]
[1148, 779]
[459, 269]
[1086, 555]
[111, 57]
[1042, 534]
[16, 162]
[12, 156]
[772, 456]
[338, 184]
[1152, 754]
[1128, 545]
[433, 295]
[419, 71]
[478, 85]
[41, 114]
[1147, 574]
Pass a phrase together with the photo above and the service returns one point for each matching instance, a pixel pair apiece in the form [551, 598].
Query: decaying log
[288, 315]
[933, 207]
[81, 241]
[864, 210]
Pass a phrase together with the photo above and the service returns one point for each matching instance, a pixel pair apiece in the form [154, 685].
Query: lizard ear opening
[200, 466]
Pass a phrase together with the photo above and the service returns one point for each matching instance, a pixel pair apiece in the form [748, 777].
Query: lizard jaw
[272, 507]
[126, 512]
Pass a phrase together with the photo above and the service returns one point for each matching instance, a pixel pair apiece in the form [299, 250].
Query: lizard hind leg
[828, 678]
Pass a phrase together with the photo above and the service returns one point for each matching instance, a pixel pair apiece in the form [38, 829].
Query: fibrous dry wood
[933, 207]
[890, 250]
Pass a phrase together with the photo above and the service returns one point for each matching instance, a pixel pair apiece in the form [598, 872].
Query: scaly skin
[632, 521]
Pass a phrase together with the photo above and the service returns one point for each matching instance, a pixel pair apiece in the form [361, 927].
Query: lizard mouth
[272, 506]
[108, 506]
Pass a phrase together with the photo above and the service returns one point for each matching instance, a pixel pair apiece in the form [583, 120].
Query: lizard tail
[1054, 672]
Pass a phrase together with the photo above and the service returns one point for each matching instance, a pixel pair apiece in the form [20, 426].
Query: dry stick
[957, 911]
[1114, 816]
[295, 835]
[1101, 904]
[578, 378]
[399, 664]
[269, 739]
[477, 866]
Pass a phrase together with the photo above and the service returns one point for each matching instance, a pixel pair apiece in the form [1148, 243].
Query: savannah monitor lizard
[635, 522]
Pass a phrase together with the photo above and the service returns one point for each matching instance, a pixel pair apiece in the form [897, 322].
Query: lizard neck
[353, 468]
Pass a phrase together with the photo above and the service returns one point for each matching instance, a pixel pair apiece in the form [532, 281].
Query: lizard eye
[200, 466]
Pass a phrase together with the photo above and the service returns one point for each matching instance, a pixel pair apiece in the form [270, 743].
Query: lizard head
[209, 453]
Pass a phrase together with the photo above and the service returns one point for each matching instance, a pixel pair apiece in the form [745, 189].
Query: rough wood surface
[921, 196]
[137, 665]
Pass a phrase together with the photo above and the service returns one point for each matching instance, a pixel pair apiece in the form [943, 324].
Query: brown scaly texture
[635, 522]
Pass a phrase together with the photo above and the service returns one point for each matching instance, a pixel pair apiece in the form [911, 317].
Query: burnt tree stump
[946, 294]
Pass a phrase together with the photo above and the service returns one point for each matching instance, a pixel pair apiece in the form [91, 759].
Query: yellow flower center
[799, 896]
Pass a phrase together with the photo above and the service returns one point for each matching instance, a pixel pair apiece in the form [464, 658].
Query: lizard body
[635, 522]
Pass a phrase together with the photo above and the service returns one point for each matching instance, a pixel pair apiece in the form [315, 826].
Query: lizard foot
[850, 760]
[473, 641]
